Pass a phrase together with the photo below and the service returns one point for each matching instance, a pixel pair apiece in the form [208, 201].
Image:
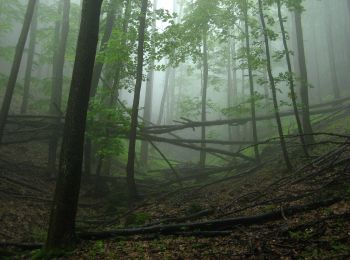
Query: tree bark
[291, 80]
[147, 114]
[251, 81]
[203, 154]
[110, 21]
[57, 83]
[15, 66]
[165, 93]
[331, 54]
[30, 60]
[130, 168]
[273, 89]
[61, 234]
[304, 89]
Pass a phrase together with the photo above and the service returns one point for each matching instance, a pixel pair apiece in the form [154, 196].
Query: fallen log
[212, 225]
[193, 124]
[207, 228]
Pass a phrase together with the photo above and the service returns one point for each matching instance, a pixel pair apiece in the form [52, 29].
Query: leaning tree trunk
[130, 168]
[304, 89]
[273, 88]
[61, 234]
[148, 99]
[291, 79]
[57, 84]
[110, 21]
[30, 60]
[203, 154]
[15, 66]
[251, 82]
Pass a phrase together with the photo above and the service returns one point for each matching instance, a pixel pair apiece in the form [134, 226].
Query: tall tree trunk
[15, 66]
[164, 96]
[203, 154]
[291, 80]
[304, 89]
[330, 45]
[57, 84]
[230, 86]
[251, 82]
[110, 21]
[273, 89]
[130, 168]
[147, 114]
[30, 60]
[61, 233]
[317, 65]
[119, 67]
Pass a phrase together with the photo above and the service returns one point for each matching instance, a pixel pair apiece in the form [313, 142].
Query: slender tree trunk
[164, 96]
[57, 84]
[304, 89]
[119, 67]
[171, 97]
[291, 80]
[130, 168]
[230, 95]
[147, 115]
[317, 65]
[15, 66]
[203, 154]
[61, 234]
[30, 60]
[110, 21]
[251, 82]
[273, 88]
[330, 45]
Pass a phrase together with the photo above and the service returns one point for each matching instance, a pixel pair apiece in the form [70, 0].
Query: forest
[174, 129]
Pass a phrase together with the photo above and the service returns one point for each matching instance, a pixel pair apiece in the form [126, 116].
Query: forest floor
[264, 212]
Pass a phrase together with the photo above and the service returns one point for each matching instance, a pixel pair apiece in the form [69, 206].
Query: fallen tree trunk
[207, 228]
[192, 124]
[212, 225]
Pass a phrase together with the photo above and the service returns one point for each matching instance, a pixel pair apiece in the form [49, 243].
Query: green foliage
[98, 248]
[137, 219]
[106, 126]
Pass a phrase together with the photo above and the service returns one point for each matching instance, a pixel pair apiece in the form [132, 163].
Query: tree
[15, 66]
[61, 232]
[304, 89]
[147, 114]
[130, 168]
[291, 79]
[330, 45]
[251, 80]
[273, 88]
[57, 81]
[110, 22]
[203, 154]
[30, 60]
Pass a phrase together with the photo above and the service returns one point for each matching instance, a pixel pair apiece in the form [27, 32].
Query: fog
[121, 102]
